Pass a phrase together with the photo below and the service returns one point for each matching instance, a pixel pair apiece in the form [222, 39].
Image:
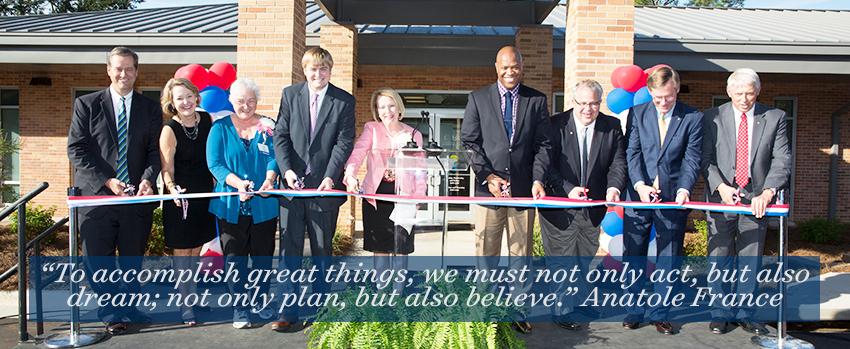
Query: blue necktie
[122, 143]
[507, 116]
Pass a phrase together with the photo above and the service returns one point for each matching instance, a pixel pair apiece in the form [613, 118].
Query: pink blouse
[377, 146]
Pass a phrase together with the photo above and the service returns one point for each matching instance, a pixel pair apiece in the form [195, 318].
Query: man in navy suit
[113, 143]
[663, 156]
[313, 138]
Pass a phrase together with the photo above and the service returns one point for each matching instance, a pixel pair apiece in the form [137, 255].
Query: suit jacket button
[510, 150]
[506, 169]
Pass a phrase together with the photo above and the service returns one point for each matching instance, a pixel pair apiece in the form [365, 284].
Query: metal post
[782, 339]
[75, 338]
[22, 273]
[37, 286]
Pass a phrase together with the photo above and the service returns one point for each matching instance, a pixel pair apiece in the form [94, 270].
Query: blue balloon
[612, 224]
[228, 106]
[619, 100]
[213, 99]
[642, 96]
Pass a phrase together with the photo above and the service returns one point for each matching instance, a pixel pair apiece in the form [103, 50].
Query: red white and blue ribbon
[546, 202]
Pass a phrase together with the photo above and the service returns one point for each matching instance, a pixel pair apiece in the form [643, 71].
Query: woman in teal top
[240, 155]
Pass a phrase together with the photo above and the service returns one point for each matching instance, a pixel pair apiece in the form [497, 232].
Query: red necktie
[742, 156]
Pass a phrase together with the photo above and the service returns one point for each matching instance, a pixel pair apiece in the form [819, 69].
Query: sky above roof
[787, 4]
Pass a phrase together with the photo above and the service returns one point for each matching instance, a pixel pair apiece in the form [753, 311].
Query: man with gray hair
[588, 163]
[746, 159]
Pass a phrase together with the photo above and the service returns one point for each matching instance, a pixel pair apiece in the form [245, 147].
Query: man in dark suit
[588, 162]
[113, 144]
[313, 138]
[746, 159]
[663, 154]
[504, 128]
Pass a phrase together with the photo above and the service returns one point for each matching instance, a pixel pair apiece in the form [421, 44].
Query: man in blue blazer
[663, 157]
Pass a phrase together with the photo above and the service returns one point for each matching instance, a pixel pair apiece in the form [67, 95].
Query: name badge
[263, 148]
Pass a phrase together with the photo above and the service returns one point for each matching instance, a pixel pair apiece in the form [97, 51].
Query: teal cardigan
[225, 155]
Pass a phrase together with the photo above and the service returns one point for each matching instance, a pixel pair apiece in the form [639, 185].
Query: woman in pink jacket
[381, 139]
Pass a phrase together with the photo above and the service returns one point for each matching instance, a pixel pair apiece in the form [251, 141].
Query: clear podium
[416, 170]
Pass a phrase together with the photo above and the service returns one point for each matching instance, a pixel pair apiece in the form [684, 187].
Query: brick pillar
[341, 41]
[599, 38]
[269, 47]
[535, 44]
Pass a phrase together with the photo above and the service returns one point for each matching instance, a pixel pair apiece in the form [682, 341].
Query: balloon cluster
[213, 84]
[611, 239]
[629, 87]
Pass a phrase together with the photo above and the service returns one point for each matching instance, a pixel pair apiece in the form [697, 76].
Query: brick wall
[535, 44]
[270, 44]
[599, 38]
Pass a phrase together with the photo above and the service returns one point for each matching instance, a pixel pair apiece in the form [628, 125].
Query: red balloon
[194, 73]
[222, 74]
[614, 76]
[651, 69]
[630, 78]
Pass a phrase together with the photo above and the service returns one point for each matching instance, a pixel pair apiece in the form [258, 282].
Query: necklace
[193, 134]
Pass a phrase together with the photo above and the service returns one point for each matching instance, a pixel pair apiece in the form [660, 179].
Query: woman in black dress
[182, 146]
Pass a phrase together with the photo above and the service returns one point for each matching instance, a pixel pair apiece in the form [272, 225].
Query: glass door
[444, 125]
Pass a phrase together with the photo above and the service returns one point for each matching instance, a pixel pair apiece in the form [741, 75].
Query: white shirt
[319, 100]
[580, 134]
[581, 129]
[116, 105]
[750, 118]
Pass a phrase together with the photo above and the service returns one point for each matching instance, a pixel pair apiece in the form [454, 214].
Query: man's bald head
[509, 67]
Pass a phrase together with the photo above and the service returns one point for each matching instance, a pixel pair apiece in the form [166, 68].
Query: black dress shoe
[522, 326]
[664, 327]
[116, 328]
[569, 325]
[756, 328]
[631, 322]
[138, 317]
[718, 327]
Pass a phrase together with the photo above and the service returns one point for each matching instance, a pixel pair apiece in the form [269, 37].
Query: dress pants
[730, 236]
[299, 218]
[103, 230]
[569, 238]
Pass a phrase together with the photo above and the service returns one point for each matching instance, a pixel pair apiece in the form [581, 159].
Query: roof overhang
[438, 12]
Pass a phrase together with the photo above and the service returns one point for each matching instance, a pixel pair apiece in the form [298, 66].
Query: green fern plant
[403, 334]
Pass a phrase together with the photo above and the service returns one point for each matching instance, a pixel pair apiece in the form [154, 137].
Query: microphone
[411, 144]
[432, 144]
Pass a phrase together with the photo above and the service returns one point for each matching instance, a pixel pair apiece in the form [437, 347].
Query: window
[789, 106]
[717, 101]
[558, 103]
[9, 115]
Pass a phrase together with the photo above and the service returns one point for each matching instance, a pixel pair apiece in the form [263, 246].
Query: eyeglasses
[594, 104]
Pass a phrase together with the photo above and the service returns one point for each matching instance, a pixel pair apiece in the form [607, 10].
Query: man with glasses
[588, 163]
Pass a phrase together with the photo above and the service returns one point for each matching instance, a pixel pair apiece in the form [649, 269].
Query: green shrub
[156, 242]
[402, 334]
[697, 244]
[39, 218]
[537, 248]
[341, 243]
[821, 231]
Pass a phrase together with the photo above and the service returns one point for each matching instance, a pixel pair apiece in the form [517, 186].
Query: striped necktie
[121, 169]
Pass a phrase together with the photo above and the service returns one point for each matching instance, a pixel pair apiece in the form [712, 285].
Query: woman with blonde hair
[381, 139]
[187, 224]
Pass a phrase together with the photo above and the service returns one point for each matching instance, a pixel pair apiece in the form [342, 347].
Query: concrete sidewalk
[545, 335]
